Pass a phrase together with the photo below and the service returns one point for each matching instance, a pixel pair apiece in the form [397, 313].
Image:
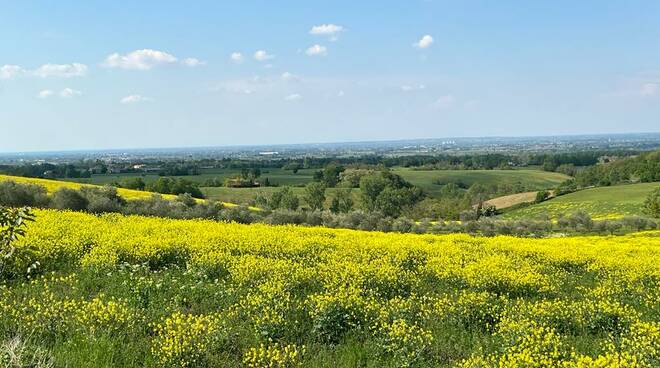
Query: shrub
[15, 194]
[652, 203]
[541, 196]
[69, 199]
[100, 200]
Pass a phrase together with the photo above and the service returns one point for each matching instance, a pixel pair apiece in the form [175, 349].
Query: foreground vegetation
[282, 207]
[114, 291]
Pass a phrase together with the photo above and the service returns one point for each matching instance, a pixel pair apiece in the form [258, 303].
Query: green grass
[425, 179]
[533, 179]
[604, 202]
[275, 176]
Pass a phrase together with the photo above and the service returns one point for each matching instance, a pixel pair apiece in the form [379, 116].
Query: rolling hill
[432, 180]
[600, 203]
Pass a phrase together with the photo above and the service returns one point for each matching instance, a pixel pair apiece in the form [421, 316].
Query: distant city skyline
[122, 75]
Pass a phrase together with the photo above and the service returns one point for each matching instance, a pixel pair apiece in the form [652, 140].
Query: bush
[16, 195]
[69, 199]
[281, 217]
[101, 200]
[652, 203]
[541, 196]
[240, 214]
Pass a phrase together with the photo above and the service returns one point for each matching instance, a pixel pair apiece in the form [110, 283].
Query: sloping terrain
[600, 203]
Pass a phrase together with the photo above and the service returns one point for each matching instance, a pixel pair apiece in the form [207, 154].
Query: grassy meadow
[428, 179]
[601, 203]
[127, 291]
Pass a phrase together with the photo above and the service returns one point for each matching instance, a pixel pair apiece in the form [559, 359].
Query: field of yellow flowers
[117, 291]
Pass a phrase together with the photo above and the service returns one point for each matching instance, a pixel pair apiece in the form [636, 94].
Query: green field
[425, 179]
[275, 176]
[534, 179]
[604, 202]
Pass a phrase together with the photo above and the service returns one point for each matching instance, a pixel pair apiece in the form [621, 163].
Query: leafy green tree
[329, 175]
[134, 183]
[478, 193]
[342, 201]
[388, 193]
[12, 227]
[315, 195]
[284, 198]
[541, 196]
[167, 185]
[652, 203]
[370, 188]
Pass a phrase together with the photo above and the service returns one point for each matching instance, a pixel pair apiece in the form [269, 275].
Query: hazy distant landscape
[398, 184]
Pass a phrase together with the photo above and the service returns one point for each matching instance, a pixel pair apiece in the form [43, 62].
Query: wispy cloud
[262, 55]
[650, 89]
[331, 30]
[133, 99]
[316, 50]
[293, 97]
[61, 70]
[193, 62]
[11, 71]
[65, 93]
[409, 88]
[45, 93]
[289, 77]
[144, 59]
[69, 93]
[445, 102]
[236, 57]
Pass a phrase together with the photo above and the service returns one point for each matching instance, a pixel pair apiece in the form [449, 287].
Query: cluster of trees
[164, 185]
[47, 170]
[552, 161]
[106, 199]
[642, 168]
[380, 191]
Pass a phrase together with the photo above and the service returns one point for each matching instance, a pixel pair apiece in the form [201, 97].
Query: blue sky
[92, 75]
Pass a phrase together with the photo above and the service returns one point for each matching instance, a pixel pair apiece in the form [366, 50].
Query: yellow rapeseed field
[53, 185]
[284, 296]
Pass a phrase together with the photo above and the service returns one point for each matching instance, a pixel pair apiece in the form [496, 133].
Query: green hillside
[602, 202]
[431, 180]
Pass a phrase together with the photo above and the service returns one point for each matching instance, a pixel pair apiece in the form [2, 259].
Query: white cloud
[340, 94]
[131, 99]
[650, 89]
[331, 30]
[10, 71]
[424, 42]
[445, 102]
[45, 93]
[293, 97]
[407, 88]
[65, 93]
[193, 62]
[61, 70]
[317, 50]
[289, 77]
[262, 55]
[68, 93]
[236, 57]
[139, 59]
